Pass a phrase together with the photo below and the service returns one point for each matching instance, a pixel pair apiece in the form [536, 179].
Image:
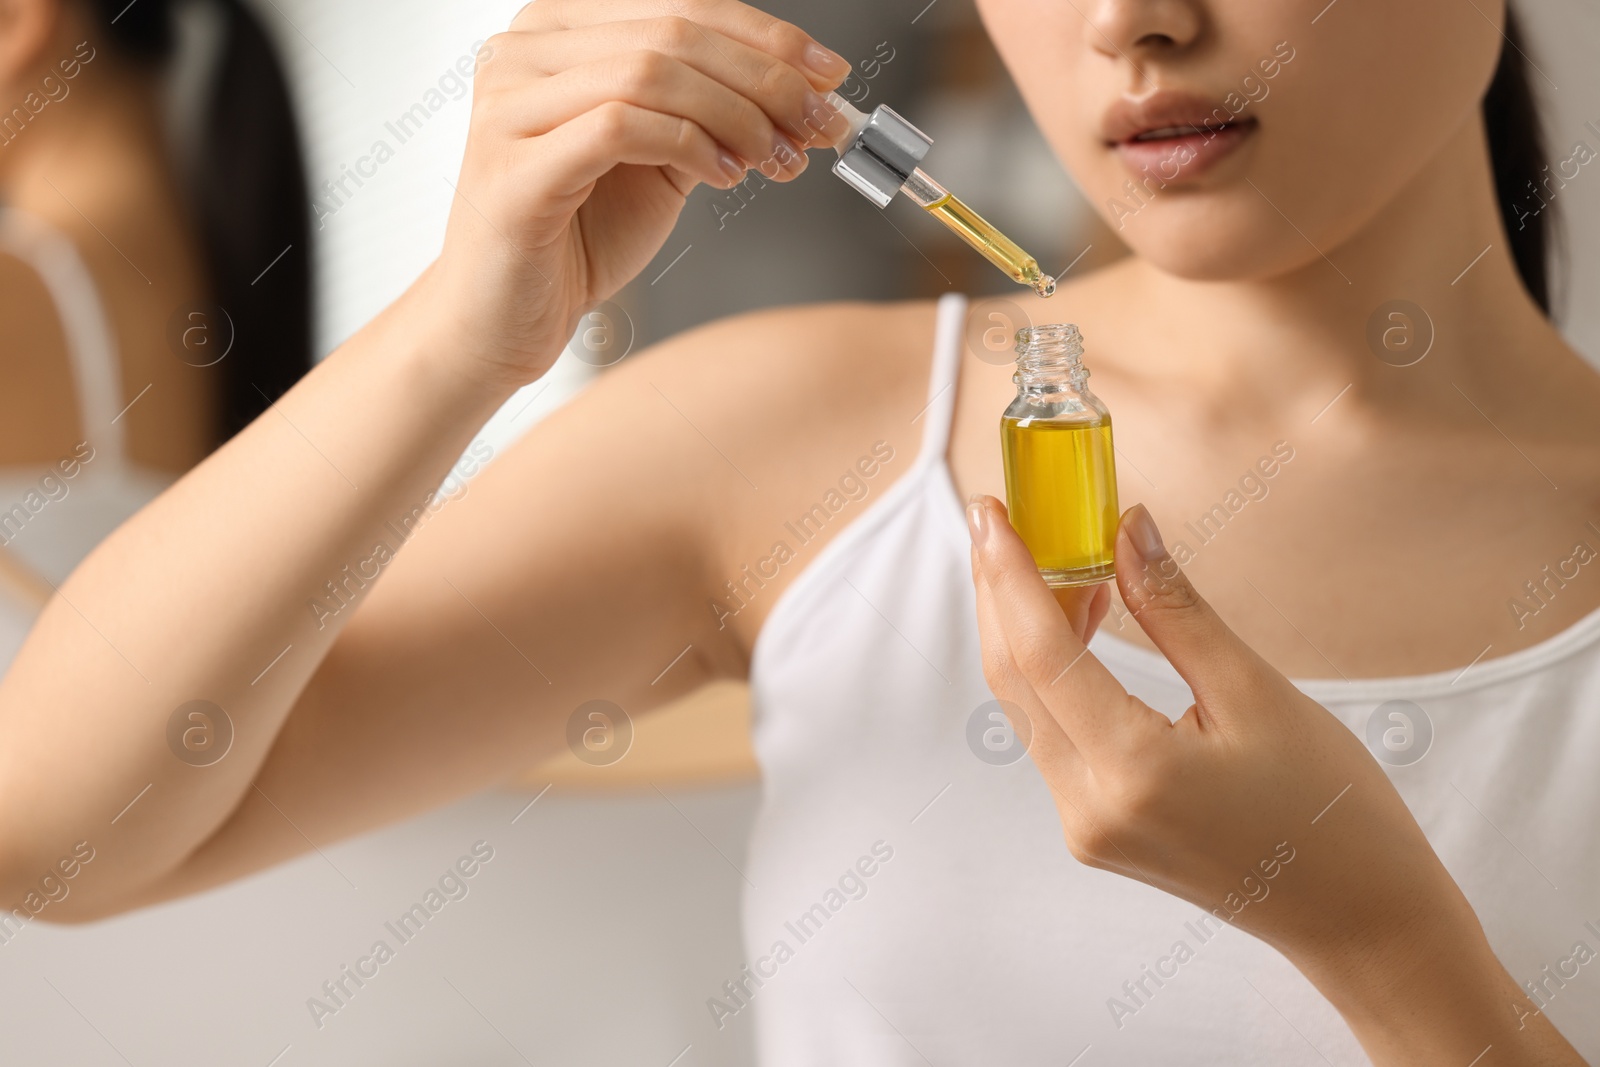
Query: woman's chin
[1206, 251]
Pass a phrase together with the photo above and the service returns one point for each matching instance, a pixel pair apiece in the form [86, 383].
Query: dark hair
[249, 197]
[1517, 153]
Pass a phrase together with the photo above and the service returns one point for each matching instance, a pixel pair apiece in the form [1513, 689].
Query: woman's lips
[1173, 134]
[1171, 155]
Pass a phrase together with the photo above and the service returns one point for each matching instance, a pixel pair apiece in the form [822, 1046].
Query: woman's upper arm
[573, 567]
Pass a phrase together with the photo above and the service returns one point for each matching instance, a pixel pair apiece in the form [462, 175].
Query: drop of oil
[1045, 286]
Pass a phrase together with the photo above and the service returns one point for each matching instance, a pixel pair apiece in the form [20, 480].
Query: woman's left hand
[1256, 804]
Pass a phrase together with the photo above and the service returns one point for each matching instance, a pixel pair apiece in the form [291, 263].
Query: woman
[628, 550]
[120, 370]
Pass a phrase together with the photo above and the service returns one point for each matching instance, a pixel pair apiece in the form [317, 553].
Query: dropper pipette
[879, 158]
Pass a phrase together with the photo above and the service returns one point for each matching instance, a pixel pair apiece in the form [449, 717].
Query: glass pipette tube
[978, 232]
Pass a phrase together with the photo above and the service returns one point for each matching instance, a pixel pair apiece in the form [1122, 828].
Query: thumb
[1209, 656]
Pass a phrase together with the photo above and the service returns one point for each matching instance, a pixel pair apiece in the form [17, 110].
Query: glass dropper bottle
[1060, 463]
[879, 157]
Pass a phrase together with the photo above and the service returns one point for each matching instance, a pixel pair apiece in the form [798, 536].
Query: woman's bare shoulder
[806, 344]
[764, 383]
[760, 415]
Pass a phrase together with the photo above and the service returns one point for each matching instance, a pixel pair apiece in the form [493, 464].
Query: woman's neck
[100, 144]
[1300, 338]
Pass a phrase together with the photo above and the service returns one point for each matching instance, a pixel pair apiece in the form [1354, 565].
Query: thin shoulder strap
[947, 343]
[91, 346]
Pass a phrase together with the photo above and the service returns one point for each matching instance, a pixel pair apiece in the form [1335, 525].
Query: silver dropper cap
[881, 151]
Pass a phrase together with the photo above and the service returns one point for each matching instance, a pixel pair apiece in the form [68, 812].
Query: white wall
[1566, 36]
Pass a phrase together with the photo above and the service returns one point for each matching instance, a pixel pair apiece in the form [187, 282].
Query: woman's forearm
[1432, 991]
[228, 589]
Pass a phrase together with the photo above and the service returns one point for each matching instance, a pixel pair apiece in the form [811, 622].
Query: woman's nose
[1127, 28]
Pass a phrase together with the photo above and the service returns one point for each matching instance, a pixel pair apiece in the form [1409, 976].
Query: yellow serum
[986, 239]
[1061, 491]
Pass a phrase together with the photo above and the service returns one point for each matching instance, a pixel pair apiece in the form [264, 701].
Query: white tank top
[48, 521]
[979, 940]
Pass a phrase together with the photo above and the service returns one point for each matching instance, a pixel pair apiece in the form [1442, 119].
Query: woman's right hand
[592, 121]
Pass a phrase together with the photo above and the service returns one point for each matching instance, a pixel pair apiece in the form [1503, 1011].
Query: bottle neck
[1050, 359]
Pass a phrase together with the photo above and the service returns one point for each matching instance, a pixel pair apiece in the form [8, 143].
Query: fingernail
[828, 64]
[1144, 535]
[816, 117]
[787, 155]
[731, 166]
[978, 522]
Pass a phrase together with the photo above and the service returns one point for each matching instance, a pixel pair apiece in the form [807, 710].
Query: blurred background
[609, 913]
